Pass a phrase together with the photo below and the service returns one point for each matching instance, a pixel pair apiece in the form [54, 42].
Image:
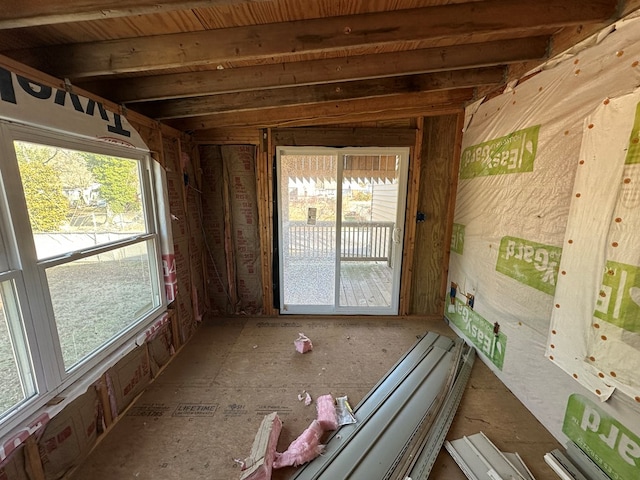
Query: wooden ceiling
[205, 64]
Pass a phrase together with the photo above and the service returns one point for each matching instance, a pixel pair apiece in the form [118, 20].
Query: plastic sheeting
[595, 325]
[516, 210]
[33, 103]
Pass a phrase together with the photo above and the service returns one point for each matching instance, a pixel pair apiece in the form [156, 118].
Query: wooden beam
[45, 79]
[310, 94]
[345, 137]
[264, 193]
[229, 136]
[348, 111]
[31, 13]
[313, 72]
[450, 24]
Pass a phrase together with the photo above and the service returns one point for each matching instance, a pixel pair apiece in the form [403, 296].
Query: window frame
[29, 273]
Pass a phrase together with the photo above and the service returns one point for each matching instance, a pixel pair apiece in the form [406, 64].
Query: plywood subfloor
[204, 410]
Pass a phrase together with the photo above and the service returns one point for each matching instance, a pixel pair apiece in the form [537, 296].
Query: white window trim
[25, 269]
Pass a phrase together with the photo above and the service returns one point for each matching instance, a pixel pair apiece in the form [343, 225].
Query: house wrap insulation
[545, 259]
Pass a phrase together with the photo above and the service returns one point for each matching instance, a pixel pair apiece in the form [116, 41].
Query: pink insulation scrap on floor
[306, 397]
[327, 412]
[258, 465]
[303, 449]
[303, 343]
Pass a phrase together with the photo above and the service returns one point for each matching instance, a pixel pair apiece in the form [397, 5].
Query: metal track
[392, 416]
[584, 463]
[479, 459]
[427, 457]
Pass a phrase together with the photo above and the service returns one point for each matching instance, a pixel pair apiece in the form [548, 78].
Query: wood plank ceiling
[204, 64]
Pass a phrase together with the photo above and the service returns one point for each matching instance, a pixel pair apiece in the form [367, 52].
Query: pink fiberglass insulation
[303, 343]
[327, 412]
[303, 449]
[260, 462]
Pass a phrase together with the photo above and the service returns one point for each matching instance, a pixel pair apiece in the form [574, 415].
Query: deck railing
[360, 241]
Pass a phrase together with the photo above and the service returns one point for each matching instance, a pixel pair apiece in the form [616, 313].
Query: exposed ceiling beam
[360, 110]
[452, 24]
[321, 71]
[310, 94]
[30, 13]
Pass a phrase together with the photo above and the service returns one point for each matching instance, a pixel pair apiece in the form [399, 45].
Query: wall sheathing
[545, 253]
[436, 181]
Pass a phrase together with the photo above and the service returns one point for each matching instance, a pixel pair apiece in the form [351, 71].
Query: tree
[118, 179]
[48, 207]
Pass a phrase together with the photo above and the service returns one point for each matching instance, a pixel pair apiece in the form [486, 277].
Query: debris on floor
[303, 343]
[574, 463]
[303, 449]
[259, 463]
[306, 397]
[403, 421]
[344, 411]
[327, 412]
[479, 458]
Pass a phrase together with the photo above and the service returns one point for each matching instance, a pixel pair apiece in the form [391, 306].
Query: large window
[16, 383]
[79, 273]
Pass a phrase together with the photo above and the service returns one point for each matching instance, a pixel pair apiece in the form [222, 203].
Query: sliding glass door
[341, 217]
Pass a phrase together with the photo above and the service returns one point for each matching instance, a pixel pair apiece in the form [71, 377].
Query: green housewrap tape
[513, 153]
[633, 153]
[457, 238]
[609, 443]
[531, 263]
[479, 331]
[619, 301]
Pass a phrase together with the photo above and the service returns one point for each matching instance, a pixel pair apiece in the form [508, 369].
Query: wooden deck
[365, 284]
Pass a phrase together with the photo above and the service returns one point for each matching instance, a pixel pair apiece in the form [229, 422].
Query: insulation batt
[303, 449]
[260, 462]
[303, 343]
[327, 412]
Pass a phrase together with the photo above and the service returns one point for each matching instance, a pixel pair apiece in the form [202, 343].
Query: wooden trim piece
[228, 240]
[264, 223]
[413, 192]
[103, 397]
[345, 137]
[33, 460]
[348, 111]
[359, 67]
[451, 208]
[448, 24]
[271, 153]
[31, 14]
[175, 329]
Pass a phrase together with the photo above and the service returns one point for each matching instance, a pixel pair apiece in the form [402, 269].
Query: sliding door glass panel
[369, 218]
[308, 202]
[341, 213]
